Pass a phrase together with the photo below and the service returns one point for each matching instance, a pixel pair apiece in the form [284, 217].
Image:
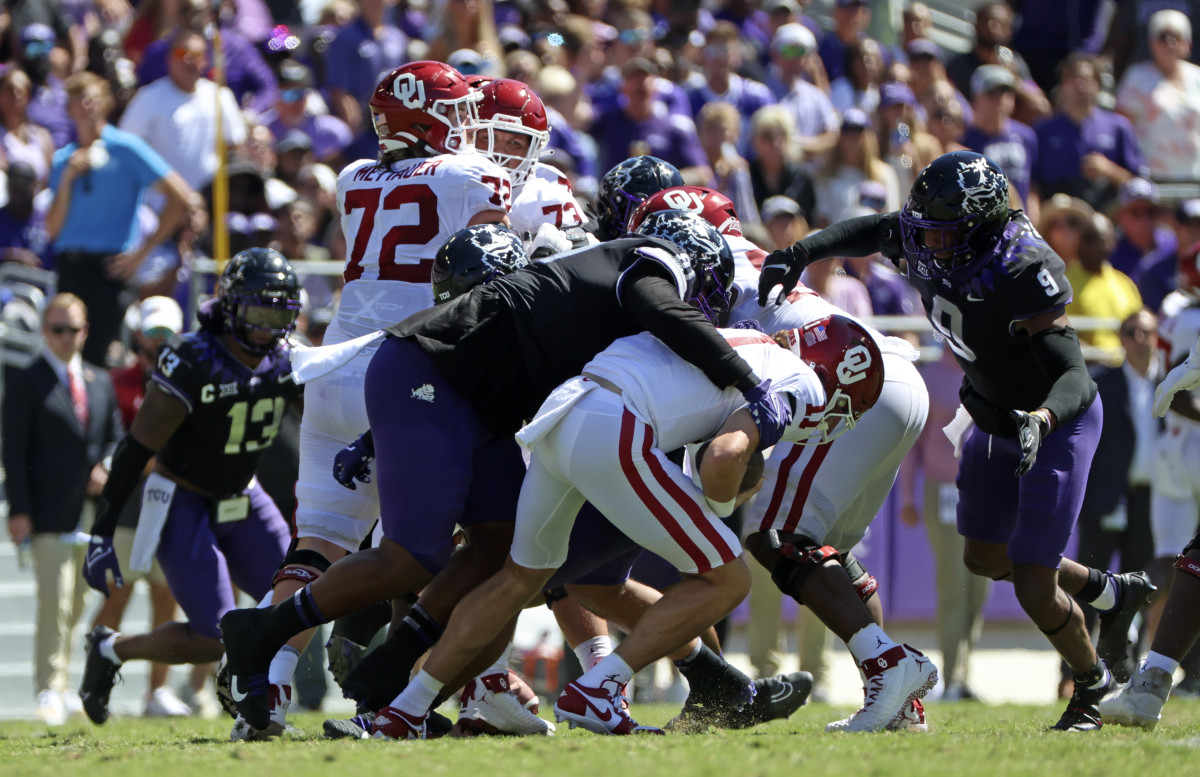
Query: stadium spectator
[858, 87]
[994, 133]
[1139, 216]
[916, 22]
[719, 126]
[459, 24]
[718, 80]
[776, 165]
[294, 110]
[794, 58]
[48, 100]
[850, 20]
[22, 225]
[929, 81]
[946, 124]
[98, 184]
[1156, 273]
[23, 140]
[903, 142]
[60, 423]
[993, 34]
[853, 160]
[1049, 32]
[1128, 34]
[784, 220]
[1161, 97]
[177, 115]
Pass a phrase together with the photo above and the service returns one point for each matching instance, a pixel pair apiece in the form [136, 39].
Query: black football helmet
[956, 210]
[710, 274]
[259, 292]
[474, 256]
[625, 186]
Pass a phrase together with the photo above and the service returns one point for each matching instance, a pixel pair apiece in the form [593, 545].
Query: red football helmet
[427, 106]
[708, 204]
[1187, 272]
[511, 106]
[850, 367]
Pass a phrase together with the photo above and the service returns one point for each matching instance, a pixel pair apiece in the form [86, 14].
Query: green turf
[967, 739]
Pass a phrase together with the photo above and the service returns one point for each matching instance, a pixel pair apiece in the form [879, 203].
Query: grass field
[966, 739]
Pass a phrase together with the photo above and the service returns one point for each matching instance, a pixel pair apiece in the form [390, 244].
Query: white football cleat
[894, 678]
[280, 700]
[490, 705]
[1140, 701]
[911, 718]
[163, 703]
[391, 723]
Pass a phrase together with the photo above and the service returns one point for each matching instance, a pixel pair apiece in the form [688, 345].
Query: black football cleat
[358, 727]
[1133, 591]
[99, 677]
[775, 698]
[1083, 710]
[247, 665]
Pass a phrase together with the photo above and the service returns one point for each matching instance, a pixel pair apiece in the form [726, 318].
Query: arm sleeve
[654, 303]
[128, 463]
[1057, 351]
[858, 236]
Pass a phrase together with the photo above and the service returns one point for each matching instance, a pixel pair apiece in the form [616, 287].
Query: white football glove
[548, 241]
[1184, 377]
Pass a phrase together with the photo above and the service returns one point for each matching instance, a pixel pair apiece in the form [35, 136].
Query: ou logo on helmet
[854, 365]
[684, 200]
[409, 90]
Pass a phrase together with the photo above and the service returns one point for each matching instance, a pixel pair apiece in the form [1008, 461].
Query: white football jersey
[803, 305]
[544, 198]
[1178, 331]
[395, 218]
[680, 403]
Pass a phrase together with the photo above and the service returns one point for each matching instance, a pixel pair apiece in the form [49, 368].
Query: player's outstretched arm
[853, 237]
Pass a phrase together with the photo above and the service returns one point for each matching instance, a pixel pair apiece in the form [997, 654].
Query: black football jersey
[506, 345]
[975, 312]
[234, 412]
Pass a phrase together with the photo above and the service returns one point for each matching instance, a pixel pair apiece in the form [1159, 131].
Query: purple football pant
[435, 462]
[598, 554]
[203, 560]
[1034, 514]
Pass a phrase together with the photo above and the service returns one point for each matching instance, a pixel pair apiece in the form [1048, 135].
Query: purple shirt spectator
[1155, 277]
[1128, 258]
[48, 108]
[354, 63]
[573, 143]
[1062, 145]
[664, 135]
[1014, 150]
[329, 134]
[247, 74]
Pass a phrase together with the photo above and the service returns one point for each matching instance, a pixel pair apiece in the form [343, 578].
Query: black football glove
[781, 268]
[354, 461]
[1031, 430]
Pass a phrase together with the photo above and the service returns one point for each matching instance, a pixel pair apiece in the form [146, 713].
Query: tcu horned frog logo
[981, 187]
[409, 90]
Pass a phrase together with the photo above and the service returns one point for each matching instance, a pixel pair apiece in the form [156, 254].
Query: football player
[215, 402]
[1173, 508]
[996, 293]
[823, 496]
[601, 437]
[449, 387]
[514, 135]
[625, 187]
[396, 212]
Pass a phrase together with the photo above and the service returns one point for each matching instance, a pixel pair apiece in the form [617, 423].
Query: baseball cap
[923, 47]
[294, 140]
[896, 93]
[987, 78]
[872, 194]
[1169, 20]
[847, 3]
[294, 73]
[1136, 189]
[1188, 211]
[159, 317]
[37, 39]
[855, 118]
[797, 39]
[467, 61]
[772, 6]
[779, 205]
[639, 65]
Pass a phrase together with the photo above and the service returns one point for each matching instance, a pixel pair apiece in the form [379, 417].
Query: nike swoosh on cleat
[235, 693]
[783, 693]
[607, 714]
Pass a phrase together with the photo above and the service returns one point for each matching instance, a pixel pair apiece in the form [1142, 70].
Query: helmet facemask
[936, 248]
[271, 312]
[518, 166]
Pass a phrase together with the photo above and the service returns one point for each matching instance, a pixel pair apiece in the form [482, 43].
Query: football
[754, 468]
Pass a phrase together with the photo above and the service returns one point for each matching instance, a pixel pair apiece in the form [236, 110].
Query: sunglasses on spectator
[159, 331]
[62, 329]
[290, 96]
[188, 56]
[633, 36]
[1132, 331]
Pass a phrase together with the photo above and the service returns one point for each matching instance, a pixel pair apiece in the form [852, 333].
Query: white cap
[1169, 21]
[794, 35]
[159, 313]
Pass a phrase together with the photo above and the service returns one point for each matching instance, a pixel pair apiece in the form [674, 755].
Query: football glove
[101, 558]
[770, 411]
[781, 268]
[1184, 377]
[1031, 430]
[354, 461]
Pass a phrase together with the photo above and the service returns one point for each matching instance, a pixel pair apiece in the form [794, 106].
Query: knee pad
[797, 560]
[865, 584]
[296, 566]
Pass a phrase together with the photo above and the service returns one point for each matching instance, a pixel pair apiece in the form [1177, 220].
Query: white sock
[283, 666]
[592, 651]
[612, 667]
[417, 697]
[1159, 661]
[108, 648]
[868, 642]
[1108, 597]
